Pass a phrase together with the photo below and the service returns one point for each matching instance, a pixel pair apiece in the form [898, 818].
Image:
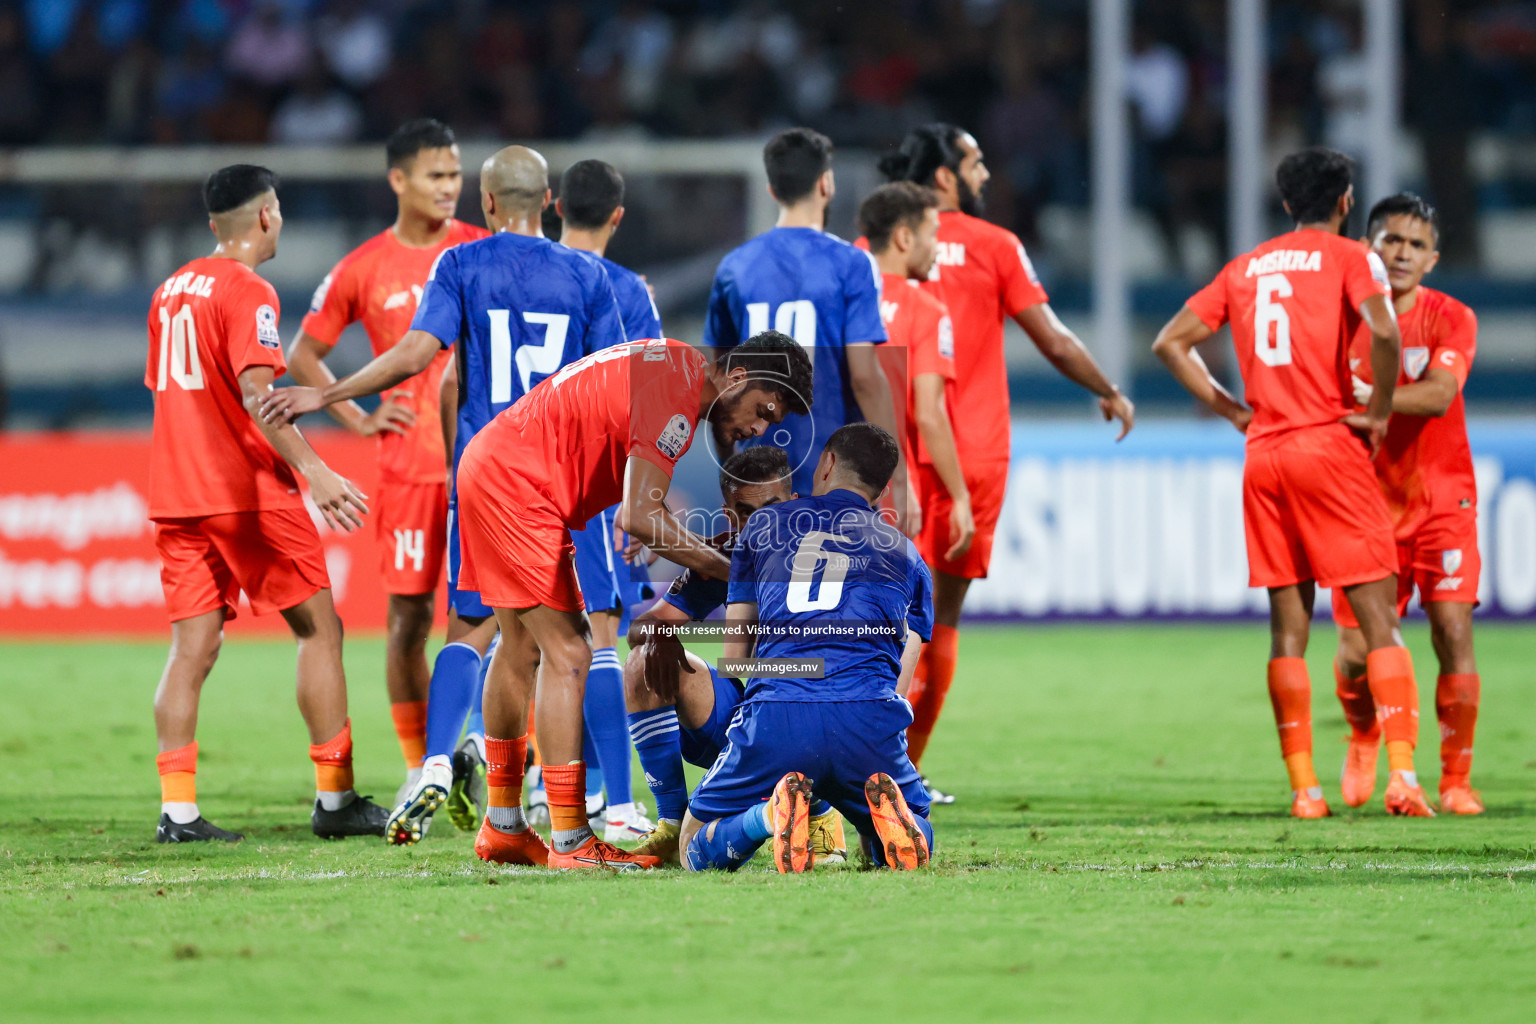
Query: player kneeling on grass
[691, 727]
[823, 578]
[227, 510]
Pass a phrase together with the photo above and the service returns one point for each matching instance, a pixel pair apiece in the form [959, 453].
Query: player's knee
[1452, 641]
[635, 691]
[410, 621]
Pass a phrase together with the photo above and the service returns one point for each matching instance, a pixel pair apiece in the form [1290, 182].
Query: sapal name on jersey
[188, 283]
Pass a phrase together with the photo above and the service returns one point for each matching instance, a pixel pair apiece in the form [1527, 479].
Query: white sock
[412, 776]
[1412, 778]
[335, 801]
[621, 812]
[181, 813]
[594, 803]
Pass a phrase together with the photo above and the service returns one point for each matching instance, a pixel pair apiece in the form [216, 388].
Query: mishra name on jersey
[1281, 261]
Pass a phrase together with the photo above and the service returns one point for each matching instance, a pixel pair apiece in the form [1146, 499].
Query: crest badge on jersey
[1415, 362]
[674, 438]
[1450, 560]
[266, 327]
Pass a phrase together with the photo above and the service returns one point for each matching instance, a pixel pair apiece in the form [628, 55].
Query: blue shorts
[702, 746]
[837, 745]
[466, 603]
[597, 564]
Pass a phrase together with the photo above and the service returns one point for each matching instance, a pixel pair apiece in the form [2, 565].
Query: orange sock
[410, 717]
[1389, 671]
[178, 774]
[1456, 699]
[1359, 709]
[504, 761]
[1290, 694]
[333, 762]
[566, 787]
[937, 671]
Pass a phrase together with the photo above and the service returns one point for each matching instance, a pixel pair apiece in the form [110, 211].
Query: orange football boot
[905, 846]
[1461, 799]
[1405, 799]
[594, 853]
[498, 847]
[1358, 780]
[789, 822]
[1309, 803]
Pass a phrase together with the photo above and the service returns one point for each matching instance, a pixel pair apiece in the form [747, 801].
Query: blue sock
[655, 737]
[876, 854]
[589, 755]
[453, 687]
[819, 807]
[603, 713]
[734, 842]
[476, 722]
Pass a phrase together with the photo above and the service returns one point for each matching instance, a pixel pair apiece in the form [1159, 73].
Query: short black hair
[923, 151]
[869, 451]
[590, 190]
[795, 160]
[230, 187]
[760, 464]
[774, 362]
[1409, 204]
[901, 203]
[414, 136]
[1311, 182]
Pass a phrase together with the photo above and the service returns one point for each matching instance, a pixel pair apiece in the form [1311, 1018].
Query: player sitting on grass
[821, 578]
[692, 727]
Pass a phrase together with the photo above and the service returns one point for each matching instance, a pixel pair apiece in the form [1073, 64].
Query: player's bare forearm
[644, 515]
[1063, 349]
[448, 409]
[1175, 346]
[938, 434]
[872, 389]
[911, 654]
[306, 365]
[1431, 396]
[660, 614]
[1379, 319]
[411, 355]
[740, 638]
[342, 504]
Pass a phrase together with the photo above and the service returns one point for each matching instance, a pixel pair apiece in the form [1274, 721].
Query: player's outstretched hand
[962, 529]
[338, 499]
[663, 661]
[284, 405]
[1118, 407]
[1372, 430]
[393, 416]
[914, 524]
[1240, 419]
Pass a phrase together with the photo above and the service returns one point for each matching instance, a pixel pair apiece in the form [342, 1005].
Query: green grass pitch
[1120, 853]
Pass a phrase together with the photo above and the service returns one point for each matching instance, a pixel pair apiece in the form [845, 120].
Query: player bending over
[1312, 511]
[227, 510]
[692, 727]
[823, 577]
[591, 205]
[611, 426]
[518, 307]
[380, 283]
[1425, 470]
[982, 275]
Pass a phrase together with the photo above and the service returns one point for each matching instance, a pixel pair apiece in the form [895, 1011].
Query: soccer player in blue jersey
[591, 205]
[821, 578]
[517, 307]
[692, 728]
[818, 289]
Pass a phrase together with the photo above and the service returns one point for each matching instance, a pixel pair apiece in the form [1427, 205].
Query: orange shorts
[988, 483]
[1441, 559]
[516, 554]
[205, 562]
[411, 522]
[1312, 511]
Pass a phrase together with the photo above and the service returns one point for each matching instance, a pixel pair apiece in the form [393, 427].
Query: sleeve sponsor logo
[675, 437]
[317, 301]
[266, 327]
[1029, 268]
[946, 338]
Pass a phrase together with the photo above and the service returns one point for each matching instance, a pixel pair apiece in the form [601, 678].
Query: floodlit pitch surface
[1120, 852]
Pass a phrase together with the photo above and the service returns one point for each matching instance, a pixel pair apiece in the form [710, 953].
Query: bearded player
[1425, 470]
[227, 510]
[1312, 511]
[379, 283]
[983, 276]
[900, 223]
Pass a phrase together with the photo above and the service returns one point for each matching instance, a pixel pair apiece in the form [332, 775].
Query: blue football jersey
[822, 292]
[519, 309]
[637, 309]
[831, 580]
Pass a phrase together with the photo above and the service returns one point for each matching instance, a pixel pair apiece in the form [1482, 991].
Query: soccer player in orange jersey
[227, 510]
[1425, 470]
[379, 283]
[983, 276]
[900, 221]
[1311, 509]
